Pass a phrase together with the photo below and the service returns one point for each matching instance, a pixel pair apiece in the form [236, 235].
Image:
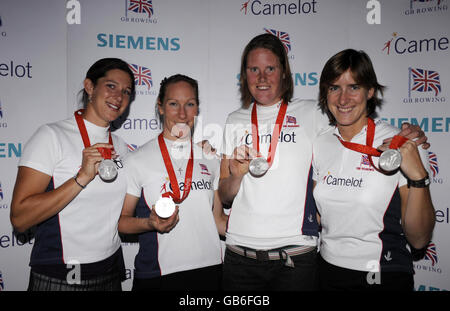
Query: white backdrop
[44, 57]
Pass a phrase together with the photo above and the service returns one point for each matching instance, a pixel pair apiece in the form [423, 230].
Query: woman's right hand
[240, 161]
[90, 162]
[232, 171]
[32, 204]
[163, 225]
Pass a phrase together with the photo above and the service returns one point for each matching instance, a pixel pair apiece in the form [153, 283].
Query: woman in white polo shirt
[368, 214]
[77, 246]
[183, 251]
[266, 176]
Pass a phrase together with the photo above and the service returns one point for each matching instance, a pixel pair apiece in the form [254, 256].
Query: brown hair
[273, 44]
[362, 71]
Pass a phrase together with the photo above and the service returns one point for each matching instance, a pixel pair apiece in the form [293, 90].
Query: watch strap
[422, 183]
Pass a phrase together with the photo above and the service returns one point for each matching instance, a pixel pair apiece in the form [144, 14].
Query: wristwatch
[422, 183]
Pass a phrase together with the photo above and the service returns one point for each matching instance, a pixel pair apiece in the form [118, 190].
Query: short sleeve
[216, 174]
[42, 151]
[315, 175]
[228, 139]
[134, 186]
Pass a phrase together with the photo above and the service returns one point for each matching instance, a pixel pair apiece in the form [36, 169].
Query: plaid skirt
[40, 282]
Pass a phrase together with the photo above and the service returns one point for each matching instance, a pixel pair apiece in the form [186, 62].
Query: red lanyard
[396, 142]
[173, 179]
[105, 152]
[275, 134]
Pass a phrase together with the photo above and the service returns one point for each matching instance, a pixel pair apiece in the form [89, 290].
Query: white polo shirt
[194, 242]
[277, 209]
[359, 207]
[85, 231]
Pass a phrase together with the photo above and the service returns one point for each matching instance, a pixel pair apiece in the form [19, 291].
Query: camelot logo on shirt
[195, 185]
[267, 138]
[331, 180]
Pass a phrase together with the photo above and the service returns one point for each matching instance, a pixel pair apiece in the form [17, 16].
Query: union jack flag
[142, 75]
[141, 6]
[433, 163]
[291, 119]
[431, 254]
[131, 147]
[365, 160]
[424, 81]
[204, 169]
[283, 36]
[438, 1]
[365, 164]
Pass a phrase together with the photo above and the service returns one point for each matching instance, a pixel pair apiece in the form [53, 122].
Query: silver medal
[258, 166]
[390, 160]
[107, 170]
[164, 207]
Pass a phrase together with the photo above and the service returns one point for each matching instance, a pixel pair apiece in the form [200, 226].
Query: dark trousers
[40, 282]
[244, 274]
[334, 278]
[202, 279]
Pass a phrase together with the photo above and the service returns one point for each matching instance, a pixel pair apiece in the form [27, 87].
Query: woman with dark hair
[179, 245]
[369, 215]
[266, 176]
[362, 72]
[77, 246]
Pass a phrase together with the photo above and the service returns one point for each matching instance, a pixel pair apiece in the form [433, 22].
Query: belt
[284, 253]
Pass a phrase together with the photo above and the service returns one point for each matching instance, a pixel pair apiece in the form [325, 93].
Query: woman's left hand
[411, 165]
[415, 133]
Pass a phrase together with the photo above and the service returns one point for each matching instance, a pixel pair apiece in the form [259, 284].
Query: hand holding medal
[411, 162]
[165, 207]
[107, 169]
[390, 159]
[165, 218]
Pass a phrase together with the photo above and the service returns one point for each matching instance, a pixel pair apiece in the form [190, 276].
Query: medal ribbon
[105, 152]
[172, 177]
[275, 134]
[396, 142]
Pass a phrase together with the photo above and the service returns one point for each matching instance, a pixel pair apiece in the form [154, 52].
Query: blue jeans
[244, 274]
